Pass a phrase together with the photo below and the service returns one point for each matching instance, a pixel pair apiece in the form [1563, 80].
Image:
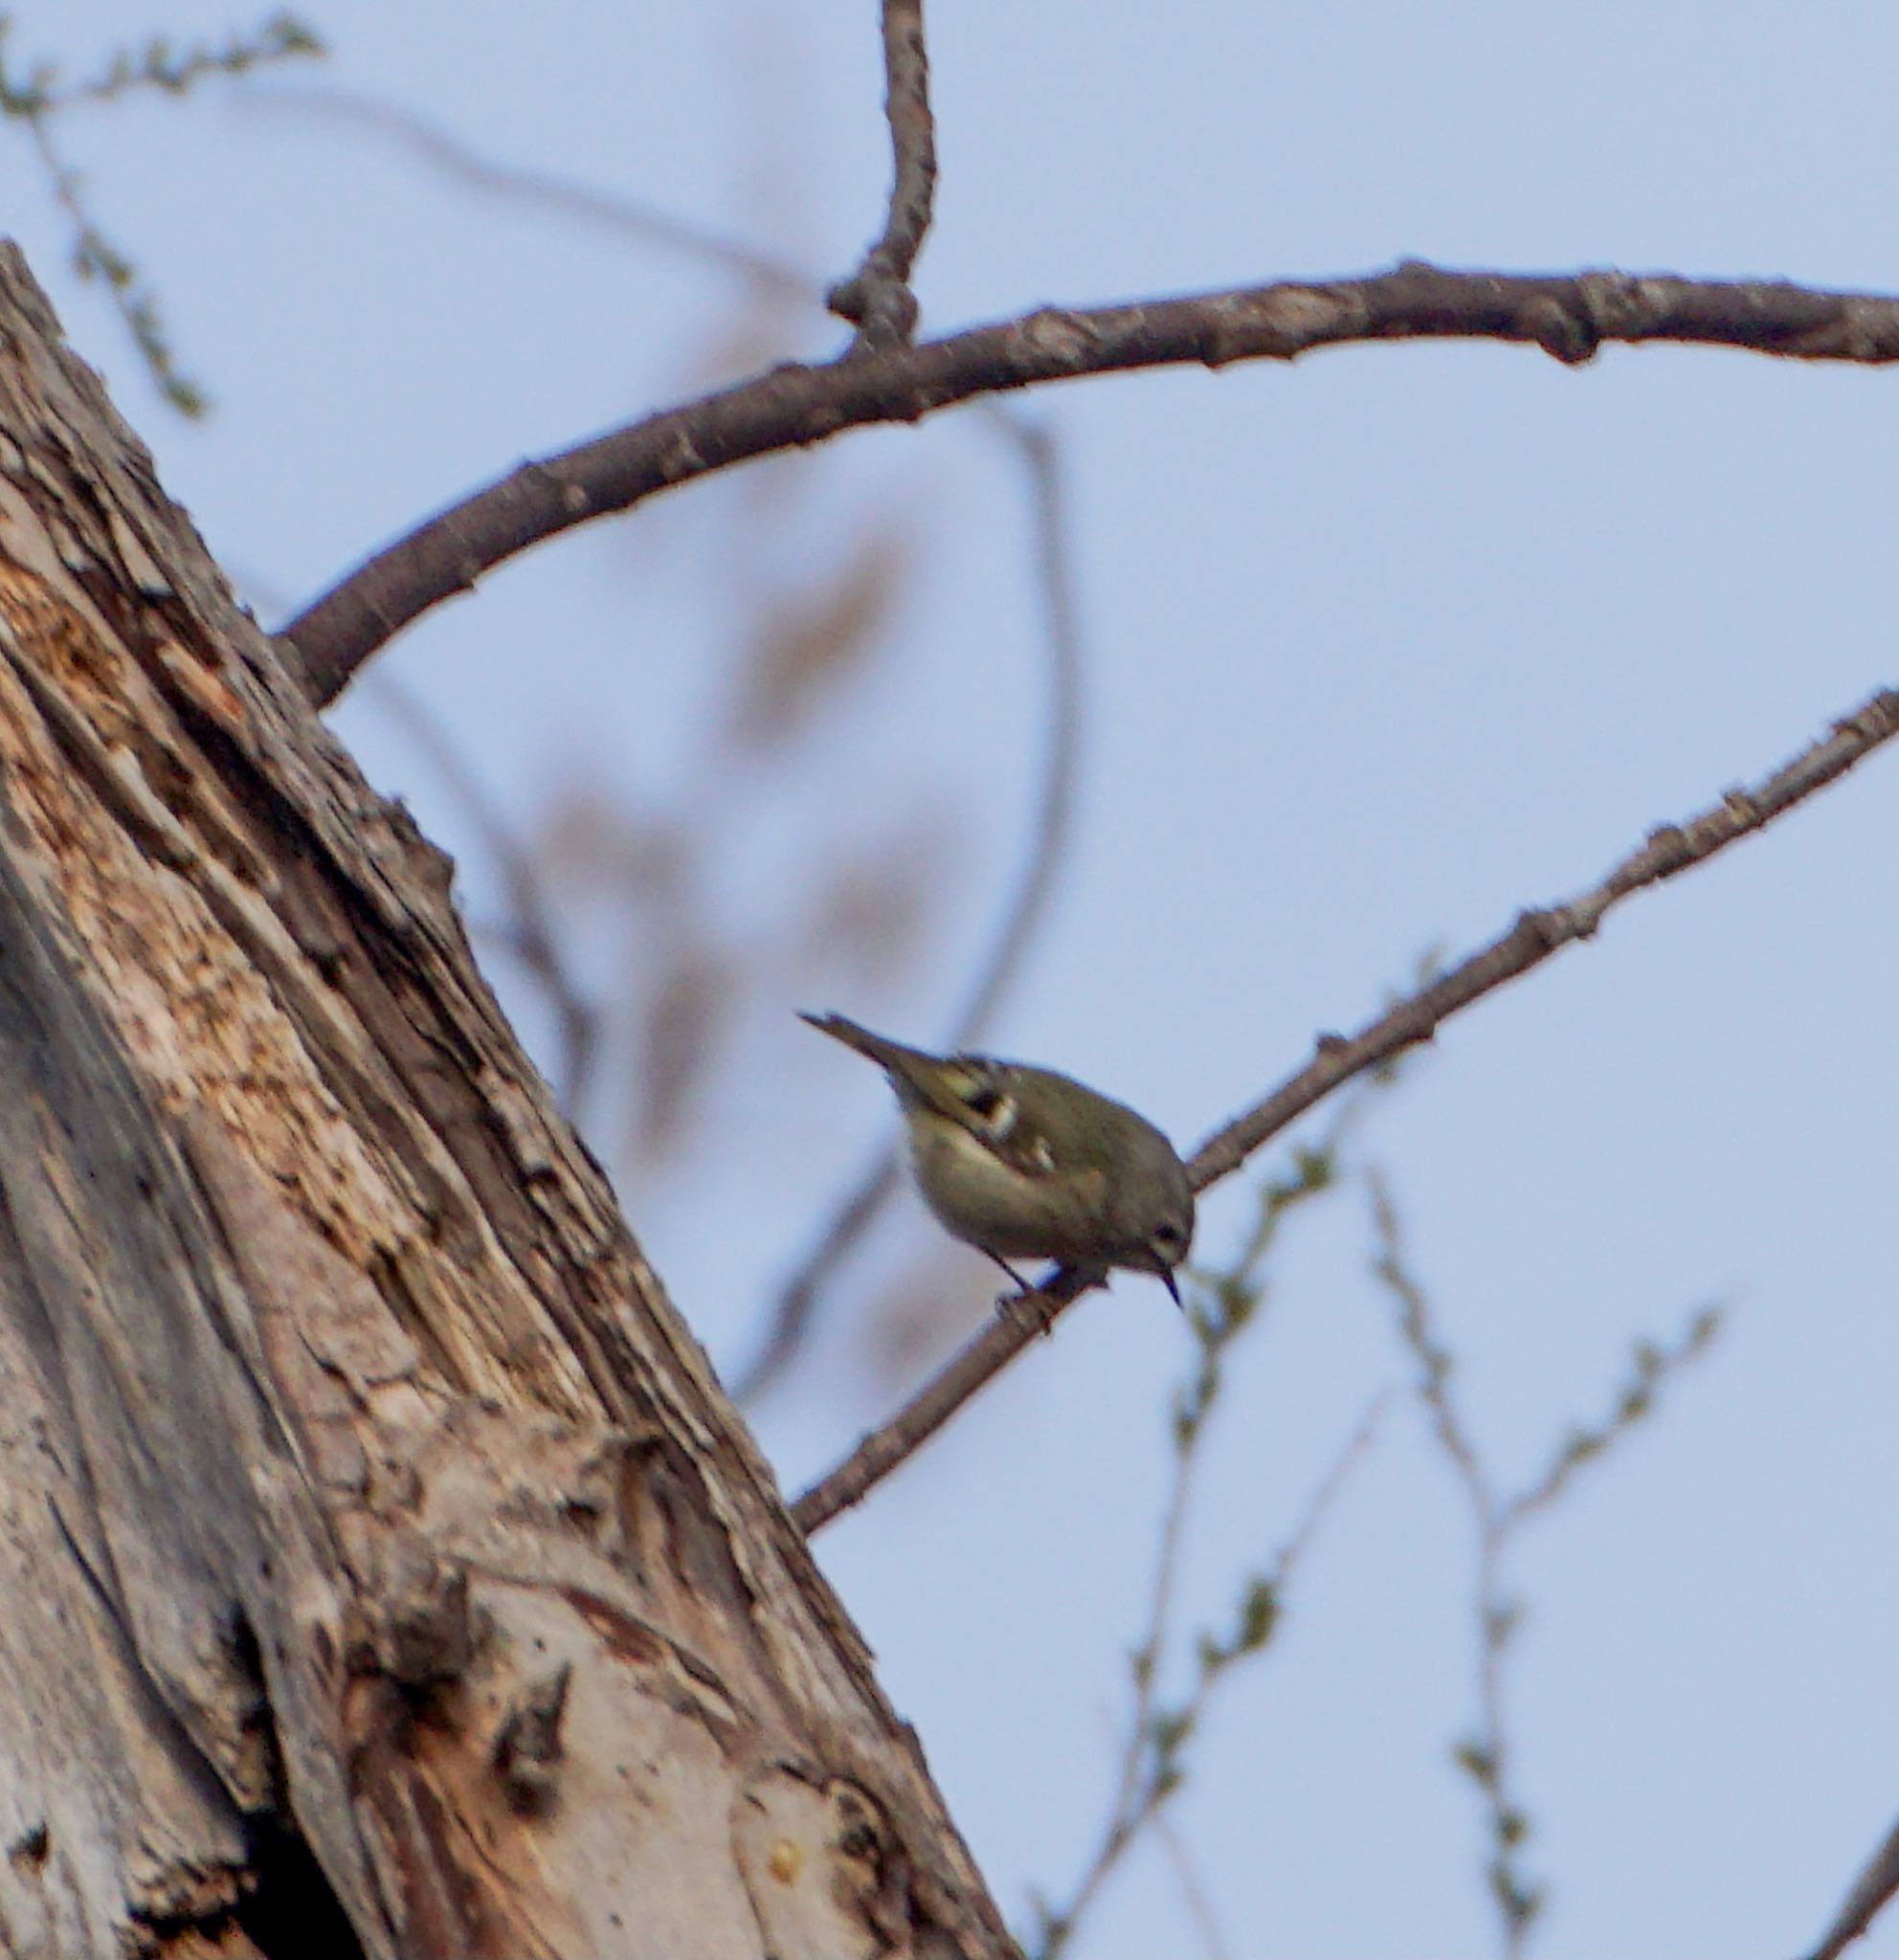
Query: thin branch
[1152, 1770]
[1668, 851]
[1487, 1755]
[796, 1307]
[1054, 814]
[161, 68]
[877, 297]
[1871, 1889]
[529, 934]
[94, 257]
[1432, 1358]
[797, 404]
[1192, 1890]
[39, 95]
[623, 216]
[1632, 1401]
[1021, 918]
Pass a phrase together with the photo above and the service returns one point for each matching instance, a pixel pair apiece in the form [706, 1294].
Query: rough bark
[381, 1568]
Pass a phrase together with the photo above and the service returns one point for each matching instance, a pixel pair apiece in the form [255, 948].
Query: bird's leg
[1030, 1305]
[1023, 1285]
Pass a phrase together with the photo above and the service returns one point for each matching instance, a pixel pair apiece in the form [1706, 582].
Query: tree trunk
[381, 1568]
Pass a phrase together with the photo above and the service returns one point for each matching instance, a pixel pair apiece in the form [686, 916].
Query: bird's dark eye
[1168, 1238]
[993, 1107]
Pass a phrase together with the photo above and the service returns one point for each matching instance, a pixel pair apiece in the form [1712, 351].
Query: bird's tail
[912, 1071]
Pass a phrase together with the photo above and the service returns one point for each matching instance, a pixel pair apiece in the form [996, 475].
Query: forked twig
[1152, 1764]
[1487, 1754]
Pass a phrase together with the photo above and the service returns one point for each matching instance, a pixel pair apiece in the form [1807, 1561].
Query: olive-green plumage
[1024, 1163]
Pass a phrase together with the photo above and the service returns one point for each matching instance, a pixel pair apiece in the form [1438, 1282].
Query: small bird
[1022, 1162]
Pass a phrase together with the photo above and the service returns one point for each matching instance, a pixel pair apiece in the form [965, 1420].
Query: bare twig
[1193, 1888]
[1055, 795]
[1233, 1303]
[623, 216]
[94, 257]
[529, 932]
[163, 67]
[1871, 1889]
[1668, 851]
[796, 405]
[1486, 1756]
[1015, 933]
[1152, 1764]
[877, 297]
[159, 66]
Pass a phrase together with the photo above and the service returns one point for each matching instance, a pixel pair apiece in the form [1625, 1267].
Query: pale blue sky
[1385, 645]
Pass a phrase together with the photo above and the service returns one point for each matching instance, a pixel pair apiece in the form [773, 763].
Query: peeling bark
[381, 1568]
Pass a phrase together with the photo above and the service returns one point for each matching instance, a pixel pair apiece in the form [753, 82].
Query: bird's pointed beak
[1167, 1280]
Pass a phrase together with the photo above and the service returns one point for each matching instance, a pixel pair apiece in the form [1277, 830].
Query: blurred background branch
[37, 98]
[1163, 1723]
[1487, 1755]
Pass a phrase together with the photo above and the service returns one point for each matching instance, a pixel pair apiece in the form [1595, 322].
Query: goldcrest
[1022, 1162]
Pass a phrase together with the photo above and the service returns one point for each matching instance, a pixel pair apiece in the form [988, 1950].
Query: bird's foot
[1031, 1309]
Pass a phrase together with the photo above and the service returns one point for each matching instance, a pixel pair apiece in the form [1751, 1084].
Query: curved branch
[797, 404]
[1668, 851]
[1054, 814]
[877, 297]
